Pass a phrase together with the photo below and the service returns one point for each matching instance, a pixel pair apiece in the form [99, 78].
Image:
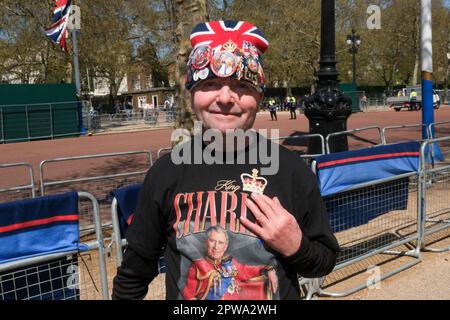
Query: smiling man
[273, 227]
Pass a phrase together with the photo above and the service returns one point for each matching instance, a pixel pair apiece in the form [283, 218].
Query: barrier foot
[436, 250]
[412, 253]
[362, 286]
[437, 221]
[313, 287]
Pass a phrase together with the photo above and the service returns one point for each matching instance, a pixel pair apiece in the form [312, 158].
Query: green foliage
[120, 38]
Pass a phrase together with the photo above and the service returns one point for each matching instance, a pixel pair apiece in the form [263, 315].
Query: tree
[27, 55]
[186, 14]
[441, 45]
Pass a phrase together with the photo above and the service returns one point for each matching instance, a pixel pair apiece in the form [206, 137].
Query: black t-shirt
[179, 204]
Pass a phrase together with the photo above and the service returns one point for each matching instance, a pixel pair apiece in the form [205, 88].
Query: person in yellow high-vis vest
[413, 100]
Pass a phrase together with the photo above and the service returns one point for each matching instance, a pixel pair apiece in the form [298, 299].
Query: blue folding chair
[122, 209]
[39, 241]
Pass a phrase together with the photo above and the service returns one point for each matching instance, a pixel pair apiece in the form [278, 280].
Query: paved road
[37, 151]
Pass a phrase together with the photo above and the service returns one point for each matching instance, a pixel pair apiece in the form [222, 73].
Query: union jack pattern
[216, 33]
[57, 32]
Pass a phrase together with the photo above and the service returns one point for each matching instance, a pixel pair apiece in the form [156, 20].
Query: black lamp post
[354, 41]
[328, 109]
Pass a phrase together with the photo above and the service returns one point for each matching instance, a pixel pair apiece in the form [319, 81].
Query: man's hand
[274, 224]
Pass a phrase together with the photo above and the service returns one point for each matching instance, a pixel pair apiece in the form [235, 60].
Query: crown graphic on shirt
[253, 183]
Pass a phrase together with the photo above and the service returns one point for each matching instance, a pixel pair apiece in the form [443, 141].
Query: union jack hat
[226, 49]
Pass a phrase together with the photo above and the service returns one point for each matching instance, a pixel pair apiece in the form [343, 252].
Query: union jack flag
[57, 32]
[216, 33]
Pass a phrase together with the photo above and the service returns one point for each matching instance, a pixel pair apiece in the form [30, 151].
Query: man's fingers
[259, 215]
[263, 204]
[277, 202]
[257, 230]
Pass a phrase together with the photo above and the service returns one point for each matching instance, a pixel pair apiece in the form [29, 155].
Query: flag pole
[76, 66]
[427, 75]
[76, 63]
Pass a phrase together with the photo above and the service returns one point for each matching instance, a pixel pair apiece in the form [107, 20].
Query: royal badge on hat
[224, 64]
[201, 57]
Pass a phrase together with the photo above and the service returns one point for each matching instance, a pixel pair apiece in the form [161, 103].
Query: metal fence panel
[362, 141]
[370, 220]
[158, 117]
[98, 185]
[27, 122]
[435, 181]
[10, 193]
[415, 135]
[299, 145]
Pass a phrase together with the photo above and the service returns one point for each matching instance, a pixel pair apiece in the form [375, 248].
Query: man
[273, 109]
[413, 99]
[275, 219]
[222, 277]
[292, 107]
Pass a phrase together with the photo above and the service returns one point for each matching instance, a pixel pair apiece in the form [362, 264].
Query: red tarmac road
[37, 151]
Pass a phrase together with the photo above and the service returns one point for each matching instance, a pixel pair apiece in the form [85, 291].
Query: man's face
[226, 103]
[217, 244]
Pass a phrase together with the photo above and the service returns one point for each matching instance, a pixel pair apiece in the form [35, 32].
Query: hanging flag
[57, 32]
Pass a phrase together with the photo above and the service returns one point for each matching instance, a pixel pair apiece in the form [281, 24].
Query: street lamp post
[328, 109]
[354, 41]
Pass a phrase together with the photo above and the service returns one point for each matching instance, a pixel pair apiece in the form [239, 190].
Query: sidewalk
[427, 280]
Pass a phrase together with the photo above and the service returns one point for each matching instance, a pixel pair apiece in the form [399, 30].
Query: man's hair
[216, 228]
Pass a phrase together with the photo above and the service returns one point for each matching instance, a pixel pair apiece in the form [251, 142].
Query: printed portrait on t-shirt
[220, 259]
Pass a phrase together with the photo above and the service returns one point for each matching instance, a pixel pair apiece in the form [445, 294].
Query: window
[137, 83]
[149, 81]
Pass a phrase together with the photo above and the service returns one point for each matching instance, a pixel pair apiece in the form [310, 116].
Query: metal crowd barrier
[98, 185]
[434, 197]
[371, 221]
[327, 140]
[39, 121]
[18, 192]
[432, 128]
[157, 290]
[37, 278]
[306, 157]
[397, 228]
[96, 121]
[163, 151]
[406, 126]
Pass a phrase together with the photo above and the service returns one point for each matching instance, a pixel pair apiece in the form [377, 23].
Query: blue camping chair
[122, 208]
[39, 241]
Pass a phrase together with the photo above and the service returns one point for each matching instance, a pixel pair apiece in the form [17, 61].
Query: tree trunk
[187, 15]
[447, 75]
[416, 70]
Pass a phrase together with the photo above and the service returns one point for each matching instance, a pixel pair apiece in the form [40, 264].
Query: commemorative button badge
[195, 76]
[203, 74]
[224, 64]
[201, 57]
[252, 64]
